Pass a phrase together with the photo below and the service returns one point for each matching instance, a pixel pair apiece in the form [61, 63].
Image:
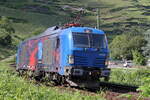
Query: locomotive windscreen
[84, 40]
[81, 40]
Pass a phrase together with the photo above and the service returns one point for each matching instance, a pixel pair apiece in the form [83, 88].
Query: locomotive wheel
[22, 72]
[38, 75]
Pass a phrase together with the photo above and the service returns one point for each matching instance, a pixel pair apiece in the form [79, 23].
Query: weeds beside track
[14, 87]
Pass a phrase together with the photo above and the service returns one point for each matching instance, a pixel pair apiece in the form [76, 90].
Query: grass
[129, 76]
[13, 87]
[32, 20]
[6, 52]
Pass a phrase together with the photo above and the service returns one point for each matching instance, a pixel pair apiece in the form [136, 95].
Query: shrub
[145, 88]
[138, 58]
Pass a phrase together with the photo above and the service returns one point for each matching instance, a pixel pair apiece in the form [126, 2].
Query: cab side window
[57, 43]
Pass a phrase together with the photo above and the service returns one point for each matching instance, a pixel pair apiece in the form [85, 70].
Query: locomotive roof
[49, 31]
[56, 29]
[82, 30]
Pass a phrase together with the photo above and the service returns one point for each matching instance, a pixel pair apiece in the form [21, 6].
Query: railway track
[118, 87]
[112, 87]
[113, 91]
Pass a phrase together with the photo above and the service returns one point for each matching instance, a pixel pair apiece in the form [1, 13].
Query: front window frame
[90, 40]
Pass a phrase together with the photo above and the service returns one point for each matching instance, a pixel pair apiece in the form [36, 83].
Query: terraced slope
[117, 16]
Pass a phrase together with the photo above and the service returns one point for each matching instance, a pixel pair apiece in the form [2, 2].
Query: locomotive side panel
[27, 55]
[41, 52]
[33, 53]
[22, 56]
[50, 55]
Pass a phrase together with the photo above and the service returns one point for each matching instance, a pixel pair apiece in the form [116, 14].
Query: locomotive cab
[84, 53]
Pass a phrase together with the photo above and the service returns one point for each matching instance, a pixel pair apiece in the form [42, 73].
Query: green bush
[123, 45]
[138, 58]
[6, 30]
[145, 88]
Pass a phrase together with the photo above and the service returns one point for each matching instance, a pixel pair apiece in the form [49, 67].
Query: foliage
[138, 58]
[13, 87]
[145, 88]
[129, 76]
[5, 52]
[6, 31]
[6, 24]
[122, 45]
[8, 39]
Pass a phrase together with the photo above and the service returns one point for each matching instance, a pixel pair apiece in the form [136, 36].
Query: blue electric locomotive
[74, 55]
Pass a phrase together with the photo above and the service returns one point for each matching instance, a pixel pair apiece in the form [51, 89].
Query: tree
[138, 58]
[6, 31]
[122, 45]
[118, 47]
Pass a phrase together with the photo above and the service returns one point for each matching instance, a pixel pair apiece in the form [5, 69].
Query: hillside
[117, 16]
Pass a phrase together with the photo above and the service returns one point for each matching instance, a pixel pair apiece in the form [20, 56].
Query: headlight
[70, 59]
[106, 62]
